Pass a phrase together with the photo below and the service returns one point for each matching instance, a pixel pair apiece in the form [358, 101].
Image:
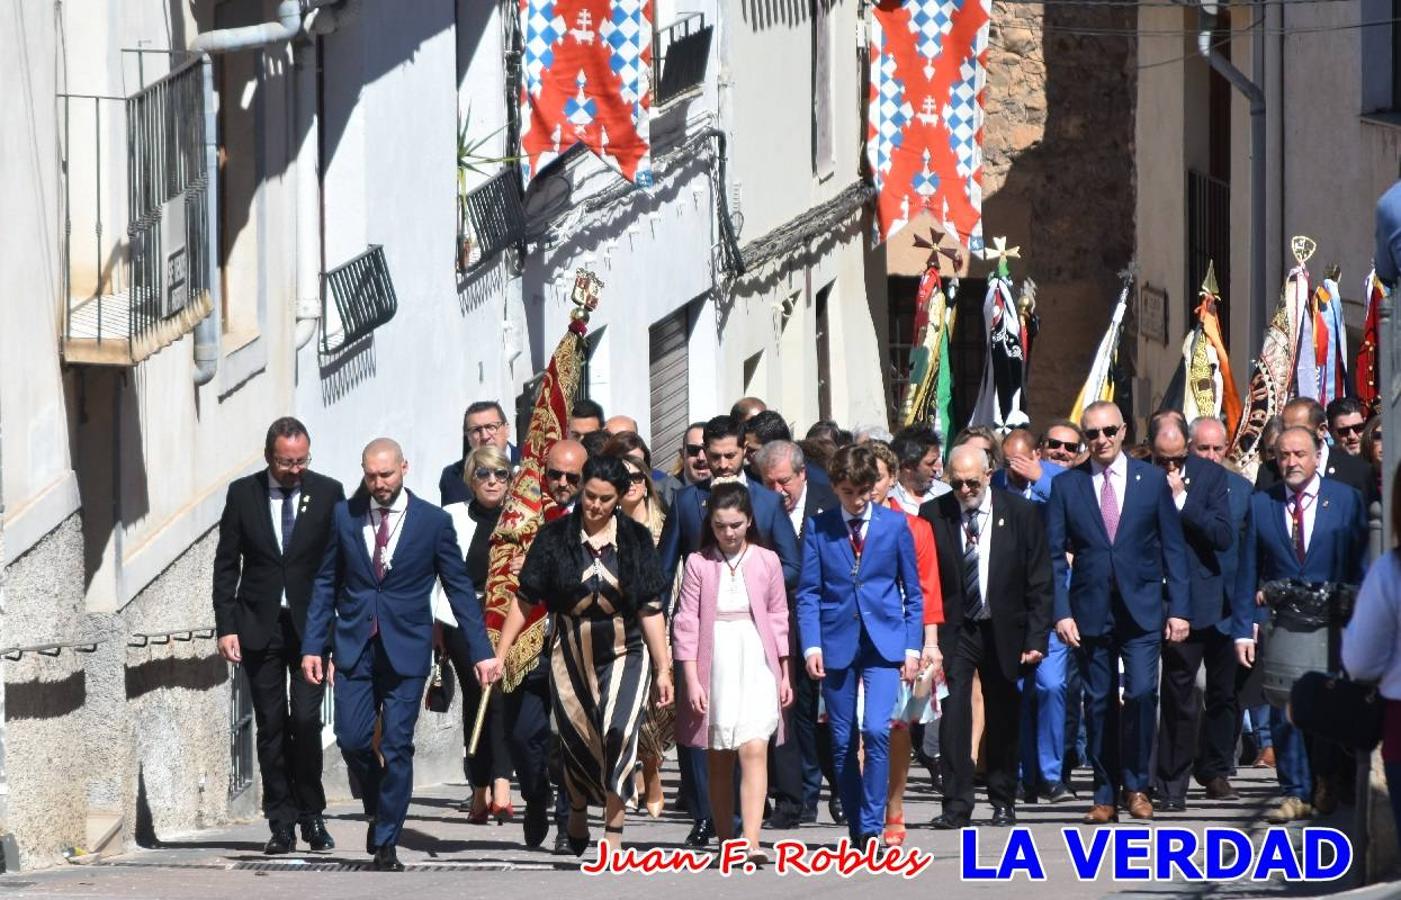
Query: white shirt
[1118, 474]
[910, 502]
[796, 515]
[1310, 501]
[984, 541]
[397, 511]
[275, 509]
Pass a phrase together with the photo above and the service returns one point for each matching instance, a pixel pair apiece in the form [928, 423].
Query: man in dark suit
[1333, 464]
[1313, 530]
[386, 551]
[271, 538]
[484, 423]
[995, 575]
[1116, 516]
[1201, 492]
[681, 535]
[796, 766]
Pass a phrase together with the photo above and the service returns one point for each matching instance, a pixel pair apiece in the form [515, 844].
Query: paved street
[446, 857]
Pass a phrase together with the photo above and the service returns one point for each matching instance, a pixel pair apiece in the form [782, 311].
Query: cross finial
[1000, 252]
[934, 244]
[584, 295]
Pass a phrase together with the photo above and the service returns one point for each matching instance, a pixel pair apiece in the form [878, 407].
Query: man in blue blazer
[1116, 516]
[681, 536]
[1201, 492]
[386, 551]
[860, 617]
[1303, 527]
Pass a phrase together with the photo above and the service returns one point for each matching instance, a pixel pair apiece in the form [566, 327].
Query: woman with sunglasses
[487, 471]
[643, 505]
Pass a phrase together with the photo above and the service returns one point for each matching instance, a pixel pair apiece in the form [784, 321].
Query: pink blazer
[693, 636]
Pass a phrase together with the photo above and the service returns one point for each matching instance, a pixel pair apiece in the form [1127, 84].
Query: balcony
[679, 56]
[129, 294]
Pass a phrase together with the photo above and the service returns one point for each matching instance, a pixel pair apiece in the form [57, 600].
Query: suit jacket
[820, 498]
[694, 638]
[837, 599]
[452, 487]
[1239, 492]
[1337, 547]
[1148, 551]
[1352, 471]
[250, 571]
[1018, 591]
[1040, 489]
[681, 534]
[348, 594]
[1206, 527]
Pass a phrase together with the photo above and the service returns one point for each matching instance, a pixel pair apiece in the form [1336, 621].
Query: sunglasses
[971, 484]
[556, 475]
[1108, 431]
[1346, 430]
[1053, 444]
[695, 449]
[482, 473]
[637, 477]
[1176, 462]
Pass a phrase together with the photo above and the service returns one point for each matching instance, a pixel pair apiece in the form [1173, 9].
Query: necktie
[972, 592]
[382, 544]
[289, 517]
[1298, 529]
[1109, 506]
[857, 541]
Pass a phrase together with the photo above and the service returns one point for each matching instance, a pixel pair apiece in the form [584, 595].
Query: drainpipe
[1256, 95]
[288, 26]
[209, 330]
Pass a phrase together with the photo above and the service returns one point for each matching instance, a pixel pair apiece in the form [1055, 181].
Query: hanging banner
[924, 135]
[586, 77]
[1368, 366]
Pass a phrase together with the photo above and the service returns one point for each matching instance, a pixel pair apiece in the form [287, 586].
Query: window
[668, 379]
[1380, 56]
[823, 153]
[1208, 242]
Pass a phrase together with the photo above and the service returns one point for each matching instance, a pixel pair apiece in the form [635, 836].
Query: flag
[1203, 384]
[1000, 399]
[1303, 350]
[1330, 340]
[525, 508]
[930, 306]
[1368, 366]
[943, 386]
[1099, 384]
[1272, 375]
[924, 130]
[586, 77]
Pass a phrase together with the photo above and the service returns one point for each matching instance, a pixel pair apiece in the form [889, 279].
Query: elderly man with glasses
[484, 423]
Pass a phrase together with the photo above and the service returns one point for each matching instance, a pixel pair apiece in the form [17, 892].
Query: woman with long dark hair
[599, 574]
[731, 637]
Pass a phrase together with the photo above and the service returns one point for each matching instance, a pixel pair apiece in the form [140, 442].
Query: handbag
[1337, 708]
[438, 697]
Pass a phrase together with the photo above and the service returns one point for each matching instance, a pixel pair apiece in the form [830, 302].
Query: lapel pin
[1137, 477]
[1325, 504]
[999, 523]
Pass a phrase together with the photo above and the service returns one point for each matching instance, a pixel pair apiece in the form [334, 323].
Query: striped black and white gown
[602, 675]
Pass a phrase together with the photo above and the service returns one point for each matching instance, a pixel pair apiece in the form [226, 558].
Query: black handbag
[1337, 708]
[441, 684]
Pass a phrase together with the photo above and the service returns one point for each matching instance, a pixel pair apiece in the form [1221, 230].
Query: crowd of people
[787, 613]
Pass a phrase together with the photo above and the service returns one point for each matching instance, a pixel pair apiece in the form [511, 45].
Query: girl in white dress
[732, 640]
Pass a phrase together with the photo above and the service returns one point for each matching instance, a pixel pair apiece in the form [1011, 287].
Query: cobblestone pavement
[446, 857]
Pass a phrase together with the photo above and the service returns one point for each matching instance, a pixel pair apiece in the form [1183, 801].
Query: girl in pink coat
[731, 637]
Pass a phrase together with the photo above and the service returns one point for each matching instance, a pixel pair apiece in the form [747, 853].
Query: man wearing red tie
[386, 552]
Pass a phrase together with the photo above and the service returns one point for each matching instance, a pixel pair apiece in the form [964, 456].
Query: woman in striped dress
[601, 579]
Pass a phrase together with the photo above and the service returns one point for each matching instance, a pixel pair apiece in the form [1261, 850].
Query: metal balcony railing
[679, 55]
[128, 295]
[364, 299]
[493, 218]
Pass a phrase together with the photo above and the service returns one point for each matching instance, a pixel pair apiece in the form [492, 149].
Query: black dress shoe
[283, 840]
[1026, 794]
[562, 847]
[863, 841]
[537, 822]
[701, 834]
[809, 816]
[1169, 805]
[785, 817]
[317, 837]
[1003, 816]
[948, 822]
[834, 809]
[370, 846]
[386, 860]
[1058, 793]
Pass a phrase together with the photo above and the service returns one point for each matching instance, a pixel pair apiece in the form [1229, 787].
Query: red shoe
[479, 816]
[502, 813]
[894, 838]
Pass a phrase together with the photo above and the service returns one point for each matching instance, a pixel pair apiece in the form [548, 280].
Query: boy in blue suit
[860, 617]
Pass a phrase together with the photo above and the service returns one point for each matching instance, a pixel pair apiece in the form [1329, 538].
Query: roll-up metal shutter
[667, 341]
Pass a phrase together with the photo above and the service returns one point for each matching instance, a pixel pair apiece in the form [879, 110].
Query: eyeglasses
[1092, 434]
[284, 463]
[637, 477]
[1175, 462]
[556, 475]
[1053, 444]
[488, 428]
[971, 484]
[695, 449]
[1346, 430]
[482, 473]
